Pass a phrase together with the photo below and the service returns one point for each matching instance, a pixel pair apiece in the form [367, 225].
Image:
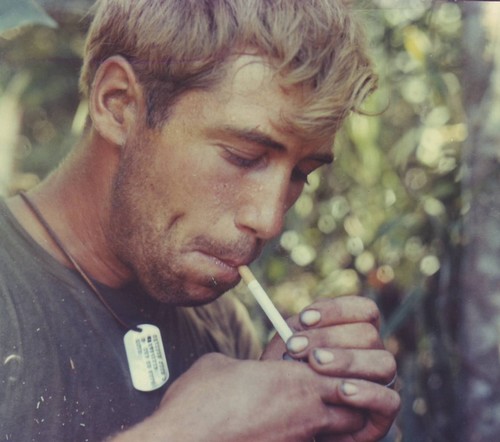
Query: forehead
[251, 94]
[251, 79]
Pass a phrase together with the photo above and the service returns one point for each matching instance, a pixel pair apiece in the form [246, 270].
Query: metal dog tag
[146, 358]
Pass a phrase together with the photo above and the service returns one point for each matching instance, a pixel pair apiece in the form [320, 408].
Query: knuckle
[324, 419]
[211, 360]
[345, 360]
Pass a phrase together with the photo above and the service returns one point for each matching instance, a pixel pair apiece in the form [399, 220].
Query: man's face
[197, 198]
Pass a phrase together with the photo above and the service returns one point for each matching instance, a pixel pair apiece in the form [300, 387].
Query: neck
[75, 202]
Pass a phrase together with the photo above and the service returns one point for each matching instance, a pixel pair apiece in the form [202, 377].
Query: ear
[115, 99]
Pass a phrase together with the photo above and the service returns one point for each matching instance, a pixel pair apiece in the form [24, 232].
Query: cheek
[207, 191]
[223, 195]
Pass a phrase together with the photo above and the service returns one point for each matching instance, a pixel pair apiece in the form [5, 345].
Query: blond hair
[180, 45]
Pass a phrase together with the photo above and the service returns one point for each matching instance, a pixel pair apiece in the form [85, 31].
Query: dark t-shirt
[63, 370]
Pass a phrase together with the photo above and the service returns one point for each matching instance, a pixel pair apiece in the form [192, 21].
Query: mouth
[223, 270]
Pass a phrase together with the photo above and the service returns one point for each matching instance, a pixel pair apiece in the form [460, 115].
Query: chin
[199, 295]
[187, 295]
[184, 285]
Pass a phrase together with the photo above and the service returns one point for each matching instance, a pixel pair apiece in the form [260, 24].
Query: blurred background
[408, 215]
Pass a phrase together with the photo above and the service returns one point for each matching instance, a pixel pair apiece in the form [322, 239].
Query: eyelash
[248, 163]
[242, 162]
[297, 175]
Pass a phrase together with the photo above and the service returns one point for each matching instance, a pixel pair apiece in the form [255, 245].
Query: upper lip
[233, 262]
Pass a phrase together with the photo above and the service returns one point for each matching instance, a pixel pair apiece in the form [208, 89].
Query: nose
[263, 208]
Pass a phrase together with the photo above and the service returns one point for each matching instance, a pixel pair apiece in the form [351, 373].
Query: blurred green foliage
[23, 12]
[50, 57]
[383, 221]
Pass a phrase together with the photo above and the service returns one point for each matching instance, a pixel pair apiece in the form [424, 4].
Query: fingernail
[296, 344]
[323, 356]
[310, 317]
[349, 389]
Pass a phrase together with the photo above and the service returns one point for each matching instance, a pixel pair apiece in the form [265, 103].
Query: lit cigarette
[265, 302]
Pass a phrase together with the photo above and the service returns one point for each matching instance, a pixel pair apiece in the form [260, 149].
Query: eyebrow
[255, 136]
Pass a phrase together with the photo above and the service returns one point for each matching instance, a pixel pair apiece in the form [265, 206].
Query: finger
[340, 310]
[354, 336]
[340, 419]
[381, 406]
[373, 365]
[275, 349]
[368, 395]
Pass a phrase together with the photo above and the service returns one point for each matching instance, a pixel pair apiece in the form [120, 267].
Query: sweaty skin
[197, 199]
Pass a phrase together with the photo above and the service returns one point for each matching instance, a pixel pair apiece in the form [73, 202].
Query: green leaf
[17, 13]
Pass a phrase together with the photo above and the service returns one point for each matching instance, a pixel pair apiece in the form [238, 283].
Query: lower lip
[219, 270]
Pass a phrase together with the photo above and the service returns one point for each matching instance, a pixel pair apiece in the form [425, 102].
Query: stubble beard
[151, 253]
[130, 233]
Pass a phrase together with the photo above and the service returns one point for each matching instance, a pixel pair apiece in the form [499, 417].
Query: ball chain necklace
[143, 344]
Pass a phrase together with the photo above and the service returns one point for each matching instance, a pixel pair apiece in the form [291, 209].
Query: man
[205, 119]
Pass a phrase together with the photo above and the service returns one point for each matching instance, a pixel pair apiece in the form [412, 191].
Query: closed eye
[240, 160]
[248, 159]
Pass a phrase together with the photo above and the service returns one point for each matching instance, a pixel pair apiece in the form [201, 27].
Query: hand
[380, 405]
[340, 338]
[340, 335]
[223, 399]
